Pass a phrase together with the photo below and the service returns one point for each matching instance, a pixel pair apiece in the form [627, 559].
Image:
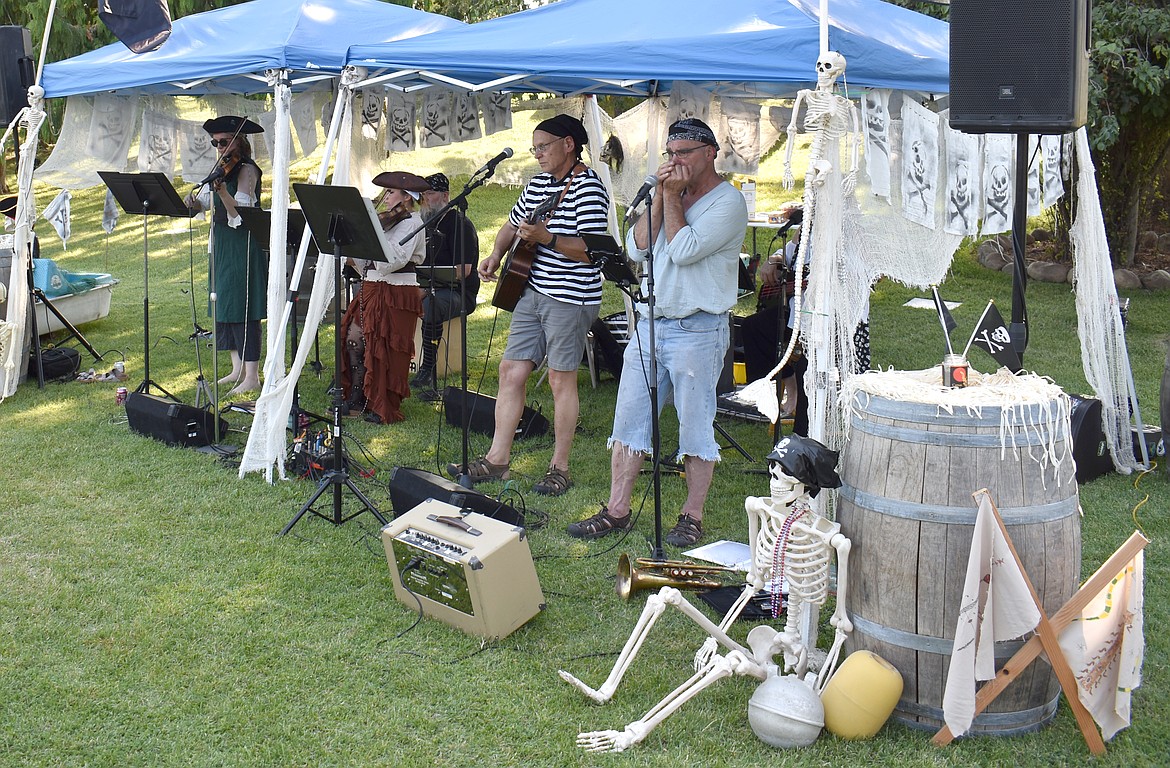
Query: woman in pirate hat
[239, 273]
[379, 324]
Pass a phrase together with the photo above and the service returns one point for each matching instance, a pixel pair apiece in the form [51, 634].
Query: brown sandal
[686, 532]
[555, 482]
[480, 470]
[600, 524]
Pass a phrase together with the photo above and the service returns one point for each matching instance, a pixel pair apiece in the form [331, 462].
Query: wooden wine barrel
[908, 471]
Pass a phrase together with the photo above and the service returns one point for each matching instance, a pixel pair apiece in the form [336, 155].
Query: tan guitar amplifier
[467, 570]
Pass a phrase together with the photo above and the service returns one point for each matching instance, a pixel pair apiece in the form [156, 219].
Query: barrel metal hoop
[937, 513]
[996, 723]
[926, 413]
[1004, 650]
[917, 435]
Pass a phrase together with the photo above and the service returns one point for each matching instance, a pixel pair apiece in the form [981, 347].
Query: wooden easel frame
[1046, 638]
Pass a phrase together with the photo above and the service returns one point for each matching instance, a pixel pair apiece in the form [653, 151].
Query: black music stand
[345, 224]
[259, 222]
[150, 194]
[604, 251]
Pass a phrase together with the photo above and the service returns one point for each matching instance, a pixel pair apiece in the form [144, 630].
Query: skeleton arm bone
[789, 181]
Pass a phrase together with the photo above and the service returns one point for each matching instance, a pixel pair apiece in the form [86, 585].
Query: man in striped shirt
[558, 305]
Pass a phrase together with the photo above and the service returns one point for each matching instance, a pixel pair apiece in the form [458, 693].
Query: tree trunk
[1133, 205]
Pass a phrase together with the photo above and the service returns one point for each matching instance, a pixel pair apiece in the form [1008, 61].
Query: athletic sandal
[686, 532]
[555, 482]
[601, 524]
[480, 471]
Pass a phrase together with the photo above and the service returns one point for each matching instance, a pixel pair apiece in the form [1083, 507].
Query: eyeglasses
[221, 142]
[539, 149]
[671, 154]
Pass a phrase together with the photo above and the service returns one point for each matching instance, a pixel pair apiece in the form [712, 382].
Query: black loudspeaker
[483, 414]
[16, 71]
[1090, 451]
[1019, 67]
[171, 422]
[411, 487]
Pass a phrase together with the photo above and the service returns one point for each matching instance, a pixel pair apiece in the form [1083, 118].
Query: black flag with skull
[992, 335]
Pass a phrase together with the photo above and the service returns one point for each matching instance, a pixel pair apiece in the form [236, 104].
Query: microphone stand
[657, 553]
[472, 184]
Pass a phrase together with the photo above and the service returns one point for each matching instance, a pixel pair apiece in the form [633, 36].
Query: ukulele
[517, 266]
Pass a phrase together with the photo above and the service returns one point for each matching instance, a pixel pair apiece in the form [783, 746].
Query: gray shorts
[542, 327]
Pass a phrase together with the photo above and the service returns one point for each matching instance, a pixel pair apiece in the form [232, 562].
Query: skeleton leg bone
[655, 605]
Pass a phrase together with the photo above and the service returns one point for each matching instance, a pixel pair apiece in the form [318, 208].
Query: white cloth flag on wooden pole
[997, 605]
[1105, 647]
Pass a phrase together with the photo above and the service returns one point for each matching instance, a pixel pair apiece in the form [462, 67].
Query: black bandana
[810, 462]
[565, 125]
[692, 129]
[439, 182]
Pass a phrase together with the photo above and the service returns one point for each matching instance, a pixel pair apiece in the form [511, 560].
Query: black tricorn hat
[809, 461]
[231, 124]
[8, 206]
[404, 180]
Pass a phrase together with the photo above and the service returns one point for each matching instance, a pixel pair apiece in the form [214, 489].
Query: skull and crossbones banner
[997, 183]
[963, 205]
[919, 163]
[466, 116]
[111, 129]
[303, 116]
[1053, 178]
[401, 108]
[436, 120]
[158, 144]
[371, 112]
[876, 124]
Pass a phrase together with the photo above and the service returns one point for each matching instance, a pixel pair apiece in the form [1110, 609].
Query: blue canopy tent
[749, 47]
[275, 46]
[229, 49]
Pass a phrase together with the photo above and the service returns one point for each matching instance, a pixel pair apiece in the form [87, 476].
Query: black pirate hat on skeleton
[231, 124]
[807, 460]
[8, 206]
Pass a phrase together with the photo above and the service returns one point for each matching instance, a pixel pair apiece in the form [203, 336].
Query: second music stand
[345, 224]
[149, 194]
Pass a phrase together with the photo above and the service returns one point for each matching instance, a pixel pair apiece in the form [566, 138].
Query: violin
[393, 216]
[225, 167]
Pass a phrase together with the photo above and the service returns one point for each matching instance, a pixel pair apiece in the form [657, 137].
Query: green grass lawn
[150, 615]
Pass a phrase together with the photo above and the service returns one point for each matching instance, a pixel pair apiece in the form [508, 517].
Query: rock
[1041, 235]
[1164, 243]
[1008, 269]
[1048, 272]
[1158, 280]
[1147, 240]
[990, 255]
[1126, 279]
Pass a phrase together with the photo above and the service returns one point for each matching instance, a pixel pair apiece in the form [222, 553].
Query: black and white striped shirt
[584, 209]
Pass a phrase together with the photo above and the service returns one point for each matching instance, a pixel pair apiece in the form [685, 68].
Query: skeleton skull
[830, 66]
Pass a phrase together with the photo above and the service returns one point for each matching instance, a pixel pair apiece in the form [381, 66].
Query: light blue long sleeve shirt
[699, 269]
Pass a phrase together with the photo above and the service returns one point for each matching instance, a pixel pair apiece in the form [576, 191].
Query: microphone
[490, 166]
[644, 192]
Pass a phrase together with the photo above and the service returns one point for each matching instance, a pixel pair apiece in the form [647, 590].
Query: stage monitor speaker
[466, 570]
[1090, 451]
[411, 487]
[1019, 67]
[483, 414]
[171, 422]
[16, 71]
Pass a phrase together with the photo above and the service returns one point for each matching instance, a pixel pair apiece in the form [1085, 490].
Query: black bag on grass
[58, 363]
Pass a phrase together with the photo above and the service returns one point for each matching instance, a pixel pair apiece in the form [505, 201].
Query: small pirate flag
[991, 334]
[141, 25]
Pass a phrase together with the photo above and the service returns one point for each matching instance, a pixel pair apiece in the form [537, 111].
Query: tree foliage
[1129, 101]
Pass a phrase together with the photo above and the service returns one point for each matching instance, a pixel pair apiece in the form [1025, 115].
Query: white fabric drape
[267, 442]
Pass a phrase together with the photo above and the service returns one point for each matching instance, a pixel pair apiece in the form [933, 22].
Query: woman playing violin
[239, 269]
[380, 322]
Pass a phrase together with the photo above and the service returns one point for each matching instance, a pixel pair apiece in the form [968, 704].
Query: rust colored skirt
[387, 315]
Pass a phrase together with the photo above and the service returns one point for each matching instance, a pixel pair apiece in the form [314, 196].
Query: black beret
[565, 125]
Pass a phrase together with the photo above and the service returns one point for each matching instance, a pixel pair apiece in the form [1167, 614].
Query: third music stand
[150, 194]
[344, 224]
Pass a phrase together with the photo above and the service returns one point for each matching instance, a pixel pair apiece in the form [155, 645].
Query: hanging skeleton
[790, 543]
[829, 117]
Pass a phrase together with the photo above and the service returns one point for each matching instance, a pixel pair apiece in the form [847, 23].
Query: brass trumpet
[644, 573]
